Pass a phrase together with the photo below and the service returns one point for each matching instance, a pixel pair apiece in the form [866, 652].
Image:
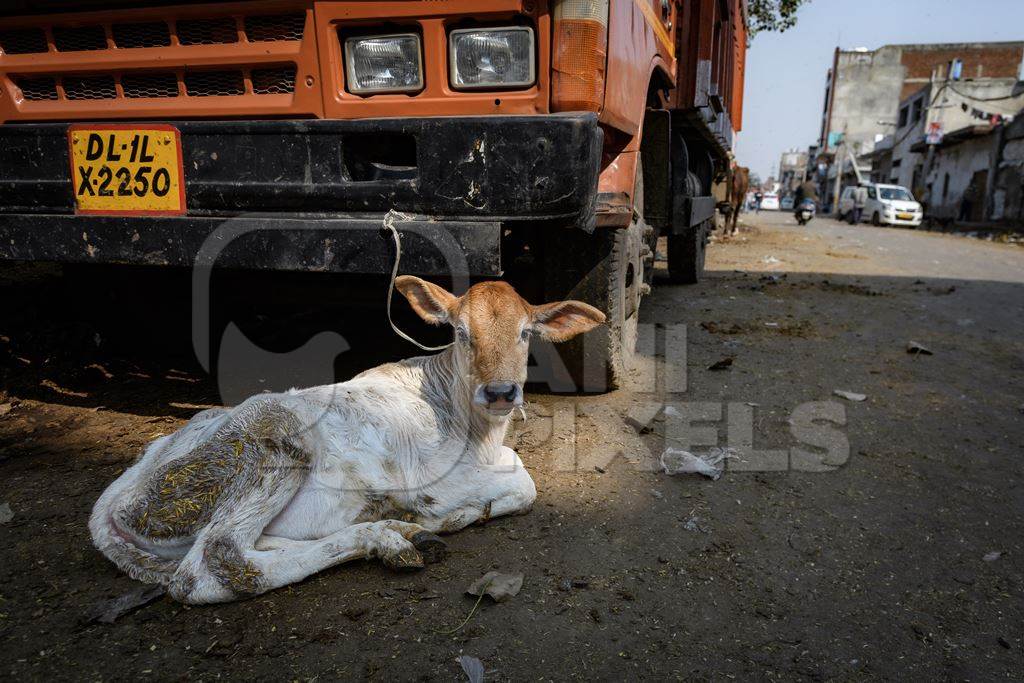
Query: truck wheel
[686, 254]
[608, 270]
[605, 270]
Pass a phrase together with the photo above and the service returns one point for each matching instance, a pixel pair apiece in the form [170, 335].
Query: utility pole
[840, 161]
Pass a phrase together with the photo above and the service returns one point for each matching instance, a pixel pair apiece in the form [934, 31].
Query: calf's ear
[563, 320]
[432, 303]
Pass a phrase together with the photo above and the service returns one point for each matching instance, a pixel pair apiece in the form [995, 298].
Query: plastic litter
[498, 586]
[711, 464]
[473, 668]
[850, 395]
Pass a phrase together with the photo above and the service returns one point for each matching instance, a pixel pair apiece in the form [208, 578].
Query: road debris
[6, 513]
[918, 349]
[500, 587]
[111, 610]
[692, 523]
[850, 395]
[723, 364]
[992, 556]
[711, 464]
[472, 667]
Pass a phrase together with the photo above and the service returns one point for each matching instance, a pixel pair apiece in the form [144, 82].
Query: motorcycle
[805, 212]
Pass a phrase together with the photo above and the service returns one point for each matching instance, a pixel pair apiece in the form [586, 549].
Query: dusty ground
[862, 560]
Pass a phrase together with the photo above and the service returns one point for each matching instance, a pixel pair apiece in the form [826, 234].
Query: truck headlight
[491, 58]
[380, 64]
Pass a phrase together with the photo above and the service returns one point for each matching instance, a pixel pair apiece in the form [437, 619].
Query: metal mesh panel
[275, 27]
[79, 38]
[89, 87]
[37, 88]
[146, 34]
[23, 41]
[150, 85]
[279, 80]
[212, 83]
[207, 31]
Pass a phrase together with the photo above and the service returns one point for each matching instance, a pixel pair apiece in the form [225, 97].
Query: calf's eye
[525, 334]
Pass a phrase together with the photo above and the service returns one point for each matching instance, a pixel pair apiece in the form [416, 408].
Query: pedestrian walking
[860, 201]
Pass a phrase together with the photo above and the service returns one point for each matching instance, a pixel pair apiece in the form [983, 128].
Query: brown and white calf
[244, 500]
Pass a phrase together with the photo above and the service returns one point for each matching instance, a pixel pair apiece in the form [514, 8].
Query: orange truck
[550, 142]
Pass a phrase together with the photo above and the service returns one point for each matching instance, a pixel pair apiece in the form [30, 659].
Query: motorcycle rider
[806, 191]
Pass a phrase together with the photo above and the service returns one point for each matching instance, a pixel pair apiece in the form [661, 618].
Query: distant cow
[244, 500]
[739, 183]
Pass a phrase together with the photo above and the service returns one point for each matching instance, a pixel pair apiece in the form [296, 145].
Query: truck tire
[603, 269]
[607, 269]
[686, 254]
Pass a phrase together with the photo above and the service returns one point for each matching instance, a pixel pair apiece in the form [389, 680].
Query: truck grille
[217, 31]
[206, 31]
[80, 38]
[24, 41]
[276, 81]
[73, 70]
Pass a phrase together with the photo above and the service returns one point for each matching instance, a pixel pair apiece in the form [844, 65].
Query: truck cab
[547, 142]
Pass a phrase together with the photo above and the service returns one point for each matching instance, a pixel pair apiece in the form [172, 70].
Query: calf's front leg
[476, 493]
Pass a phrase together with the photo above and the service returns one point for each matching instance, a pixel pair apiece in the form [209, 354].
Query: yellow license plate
[905, 216]
[127, 169]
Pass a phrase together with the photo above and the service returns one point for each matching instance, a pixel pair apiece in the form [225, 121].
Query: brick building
[865, 87]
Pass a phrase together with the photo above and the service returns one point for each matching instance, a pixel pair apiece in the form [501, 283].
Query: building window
[917, 107]
[904, 111]
[896, 163]
[945, 188]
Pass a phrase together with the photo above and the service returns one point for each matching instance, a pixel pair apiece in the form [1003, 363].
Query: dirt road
[871, 539]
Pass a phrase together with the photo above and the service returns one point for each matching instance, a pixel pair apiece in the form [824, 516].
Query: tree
[772, 15]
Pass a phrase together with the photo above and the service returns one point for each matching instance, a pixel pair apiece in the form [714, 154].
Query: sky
[785, 83]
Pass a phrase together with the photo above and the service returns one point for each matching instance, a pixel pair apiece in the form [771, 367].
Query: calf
[244, 500]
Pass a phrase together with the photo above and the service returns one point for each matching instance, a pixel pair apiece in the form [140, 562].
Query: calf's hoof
[405, 560]
[431, 547]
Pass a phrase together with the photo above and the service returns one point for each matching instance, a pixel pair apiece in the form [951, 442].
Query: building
[864, 87]
[942, 146]
[792, 170]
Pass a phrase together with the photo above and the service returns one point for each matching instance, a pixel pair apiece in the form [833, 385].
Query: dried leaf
[498, 586]
[918, 349]
[723, 364]
[108, 612]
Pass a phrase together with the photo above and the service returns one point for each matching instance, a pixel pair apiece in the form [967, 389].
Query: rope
[389, 224]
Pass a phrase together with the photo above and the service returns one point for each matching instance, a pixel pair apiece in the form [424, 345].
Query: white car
[887, 205]
[770, 202]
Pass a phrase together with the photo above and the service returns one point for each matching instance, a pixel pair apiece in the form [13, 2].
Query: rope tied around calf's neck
[389, 224]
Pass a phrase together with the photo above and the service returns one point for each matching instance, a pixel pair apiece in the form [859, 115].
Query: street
[874, 538]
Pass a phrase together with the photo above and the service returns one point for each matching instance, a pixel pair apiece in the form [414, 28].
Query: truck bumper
[311, 195]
